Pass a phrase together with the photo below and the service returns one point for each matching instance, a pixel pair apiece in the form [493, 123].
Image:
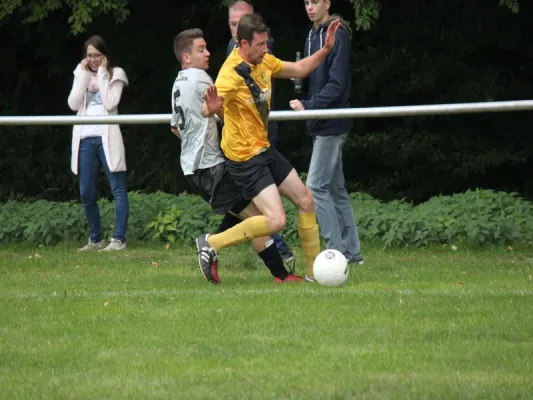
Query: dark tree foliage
[404, 53]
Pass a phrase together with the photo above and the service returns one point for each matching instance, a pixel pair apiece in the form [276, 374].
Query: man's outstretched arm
[305, 66]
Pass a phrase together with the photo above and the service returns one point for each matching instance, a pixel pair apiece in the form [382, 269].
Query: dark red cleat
[214, 270]
[290, 278]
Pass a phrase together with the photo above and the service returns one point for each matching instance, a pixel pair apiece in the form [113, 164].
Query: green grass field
[143, 324]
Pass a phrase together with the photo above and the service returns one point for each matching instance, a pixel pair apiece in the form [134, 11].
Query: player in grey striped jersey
[199, 135]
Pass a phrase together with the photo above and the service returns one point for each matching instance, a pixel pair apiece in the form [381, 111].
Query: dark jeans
[91, 156]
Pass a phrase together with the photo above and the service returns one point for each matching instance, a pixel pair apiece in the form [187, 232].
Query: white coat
[110, 91]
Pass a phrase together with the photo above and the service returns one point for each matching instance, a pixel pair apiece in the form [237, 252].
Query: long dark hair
[99, 44]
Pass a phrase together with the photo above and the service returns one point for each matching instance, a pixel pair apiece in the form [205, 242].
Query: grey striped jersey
[199, 136]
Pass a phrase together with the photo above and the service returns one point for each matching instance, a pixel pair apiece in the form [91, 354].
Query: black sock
[229, 221]
[273, 261]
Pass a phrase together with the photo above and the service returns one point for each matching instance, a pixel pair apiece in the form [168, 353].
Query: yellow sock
[245, 231]
[308, 231]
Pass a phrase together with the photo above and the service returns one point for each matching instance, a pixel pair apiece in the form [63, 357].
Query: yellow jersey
[246, 89]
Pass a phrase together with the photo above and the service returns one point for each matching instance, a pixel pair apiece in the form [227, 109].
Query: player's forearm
[309, 64]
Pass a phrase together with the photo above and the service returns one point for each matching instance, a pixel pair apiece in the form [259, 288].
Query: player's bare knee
[277, 221]
[306, 201]
[281, 220]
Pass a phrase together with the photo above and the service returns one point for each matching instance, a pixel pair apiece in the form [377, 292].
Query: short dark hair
[183, 41]
[248, 25]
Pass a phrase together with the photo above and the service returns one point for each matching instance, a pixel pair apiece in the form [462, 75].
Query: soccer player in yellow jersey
[241, 97]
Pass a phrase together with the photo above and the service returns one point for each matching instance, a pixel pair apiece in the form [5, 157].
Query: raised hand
[213, 101]
[330, 34]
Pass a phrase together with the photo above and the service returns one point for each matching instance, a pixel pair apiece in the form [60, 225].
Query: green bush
[188, 217]
[477, 217]
[46, 222]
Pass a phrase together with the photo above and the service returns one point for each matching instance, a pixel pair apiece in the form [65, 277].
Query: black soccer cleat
[207, 259]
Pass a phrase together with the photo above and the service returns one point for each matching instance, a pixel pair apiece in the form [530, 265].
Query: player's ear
[186, 58]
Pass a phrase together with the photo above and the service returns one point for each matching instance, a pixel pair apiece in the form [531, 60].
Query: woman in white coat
[96, 90]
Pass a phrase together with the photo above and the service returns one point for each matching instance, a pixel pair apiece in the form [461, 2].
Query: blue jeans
[334, 209]
[91, 156]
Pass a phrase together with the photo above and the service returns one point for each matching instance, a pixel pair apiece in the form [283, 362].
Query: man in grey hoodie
[329, 87]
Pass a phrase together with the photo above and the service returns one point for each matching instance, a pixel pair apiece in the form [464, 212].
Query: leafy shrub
[46, 222]
[477, 217]
[40, 222]
[188, 217]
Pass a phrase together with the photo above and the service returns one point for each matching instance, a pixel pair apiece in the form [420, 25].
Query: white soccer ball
[331, 268]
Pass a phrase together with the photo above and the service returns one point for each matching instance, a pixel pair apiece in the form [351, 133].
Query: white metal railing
[366, 112]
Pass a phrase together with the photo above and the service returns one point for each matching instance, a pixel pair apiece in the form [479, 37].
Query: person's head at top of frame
[252, 38]
[96, 53]
[236, 11]
[317, 10]
[190, 49]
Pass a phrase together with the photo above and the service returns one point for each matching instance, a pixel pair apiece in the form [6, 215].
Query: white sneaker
[353, 261]
[93, 246]
[309, 279]
[115, 244]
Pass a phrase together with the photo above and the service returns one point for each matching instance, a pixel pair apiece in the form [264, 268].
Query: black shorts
[259, 172]
[217, 188]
